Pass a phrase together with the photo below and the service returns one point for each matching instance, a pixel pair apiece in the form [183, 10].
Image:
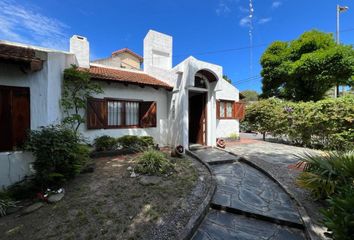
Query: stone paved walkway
[247, 204]
[222, 226]
[279, 160]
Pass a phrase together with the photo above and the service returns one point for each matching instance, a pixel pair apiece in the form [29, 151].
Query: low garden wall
[14, 166]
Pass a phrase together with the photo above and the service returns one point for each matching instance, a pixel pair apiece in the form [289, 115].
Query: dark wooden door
[5, 119]
[14, 116]
[197, 119]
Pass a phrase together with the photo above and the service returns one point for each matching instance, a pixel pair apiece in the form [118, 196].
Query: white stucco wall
[14, 166]
[45, 92]
[45, 86]
[131, 92]
[226, 127]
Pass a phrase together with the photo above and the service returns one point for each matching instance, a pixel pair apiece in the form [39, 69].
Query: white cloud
[245, 21]
[276, 4]
[222, 9]
[264, 20]
[25, 24]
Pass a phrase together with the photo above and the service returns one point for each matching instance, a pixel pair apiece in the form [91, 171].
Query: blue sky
[211, 30]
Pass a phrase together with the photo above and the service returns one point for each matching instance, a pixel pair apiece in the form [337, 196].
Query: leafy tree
[250, 95]
[77, 89]
[227, 79]
[306, 68]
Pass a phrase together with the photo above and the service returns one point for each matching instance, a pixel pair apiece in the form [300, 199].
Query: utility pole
[339, 10]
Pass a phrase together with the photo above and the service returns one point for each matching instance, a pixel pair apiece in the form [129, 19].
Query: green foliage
[5, 203]
[147, 141]
[105, 143]
[326, 124]
[250, 95]
[331, 176]
[153, 162]
[234, 136]
[130, 142]
[135, 143]
[77, 88]
[266, 116]
[326, 174]
[59, 154]
[26, 189]
[306, 68]
[339, 217]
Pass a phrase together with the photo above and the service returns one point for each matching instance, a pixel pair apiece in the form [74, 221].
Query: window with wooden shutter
[239, 110]
[148, 111]
[96, 113]
[226, 109]
[14, 116]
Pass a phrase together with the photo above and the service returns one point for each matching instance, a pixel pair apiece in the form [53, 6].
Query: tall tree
[250, 95]
[306, 68]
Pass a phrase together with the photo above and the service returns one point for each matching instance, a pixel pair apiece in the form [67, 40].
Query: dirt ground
[109, 204]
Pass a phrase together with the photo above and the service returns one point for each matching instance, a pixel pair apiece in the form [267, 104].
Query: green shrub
[267, 116]
[148, 141]
[324, 175]
[339, 216]
[326, 124]
[59, 154]
[105, 143]
[153, 162]
[135, 143]
[234, 136]
[26, 189]
[5, 203]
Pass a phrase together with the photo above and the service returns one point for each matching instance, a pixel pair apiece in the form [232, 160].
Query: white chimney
[81, 48]
[157, 51]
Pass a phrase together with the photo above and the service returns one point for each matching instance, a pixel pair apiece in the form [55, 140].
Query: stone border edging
[203, 208]
[305, 218]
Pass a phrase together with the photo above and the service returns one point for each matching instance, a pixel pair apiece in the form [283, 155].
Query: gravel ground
[109, 204]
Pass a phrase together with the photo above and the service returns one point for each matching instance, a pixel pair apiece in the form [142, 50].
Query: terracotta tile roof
[128, 51]
[123, 76]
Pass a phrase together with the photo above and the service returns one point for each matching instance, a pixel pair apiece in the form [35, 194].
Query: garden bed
[109, 204]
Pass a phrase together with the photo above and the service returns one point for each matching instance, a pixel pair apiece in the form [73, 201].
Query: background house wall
[132, 92]
[129, 61]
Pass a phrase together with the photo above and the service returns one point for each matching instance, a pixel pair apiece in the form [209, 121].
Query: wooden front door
[14, 116]
[197, 119]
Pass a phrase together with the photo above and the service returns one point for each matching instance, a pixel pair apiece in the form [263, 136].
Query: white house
[189, 103]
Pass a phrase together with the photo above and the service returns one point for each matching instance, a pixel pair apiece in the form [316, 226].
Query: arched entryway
[198, 99]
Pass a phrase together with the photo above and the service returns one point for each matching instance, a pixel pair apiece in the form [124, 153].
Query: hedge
[326, 124]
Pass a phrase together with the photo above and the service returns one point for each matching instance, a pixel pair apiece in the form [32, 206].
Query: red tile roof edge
[123, 76]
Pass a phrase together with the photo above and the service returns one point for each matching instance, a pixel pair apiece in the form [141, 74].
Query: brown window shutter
[20, 115]
[14, 116]
[217, 109]
[147, 114]
[239, 110]
[96, 113]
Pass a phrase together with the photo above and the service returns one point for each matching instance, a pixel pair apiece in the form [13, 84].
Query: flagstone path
[247, 204]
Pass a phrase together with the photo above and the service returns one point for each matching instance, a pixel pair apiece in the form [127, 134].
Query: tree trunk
[264, 135]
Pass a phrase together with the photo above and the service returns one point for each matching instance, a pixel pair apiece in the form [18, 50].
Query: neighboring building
[123, 58]
[182, 105]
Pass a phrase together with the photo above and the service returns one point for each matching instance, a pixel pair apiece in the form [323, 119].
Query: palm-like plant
[324, 174]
